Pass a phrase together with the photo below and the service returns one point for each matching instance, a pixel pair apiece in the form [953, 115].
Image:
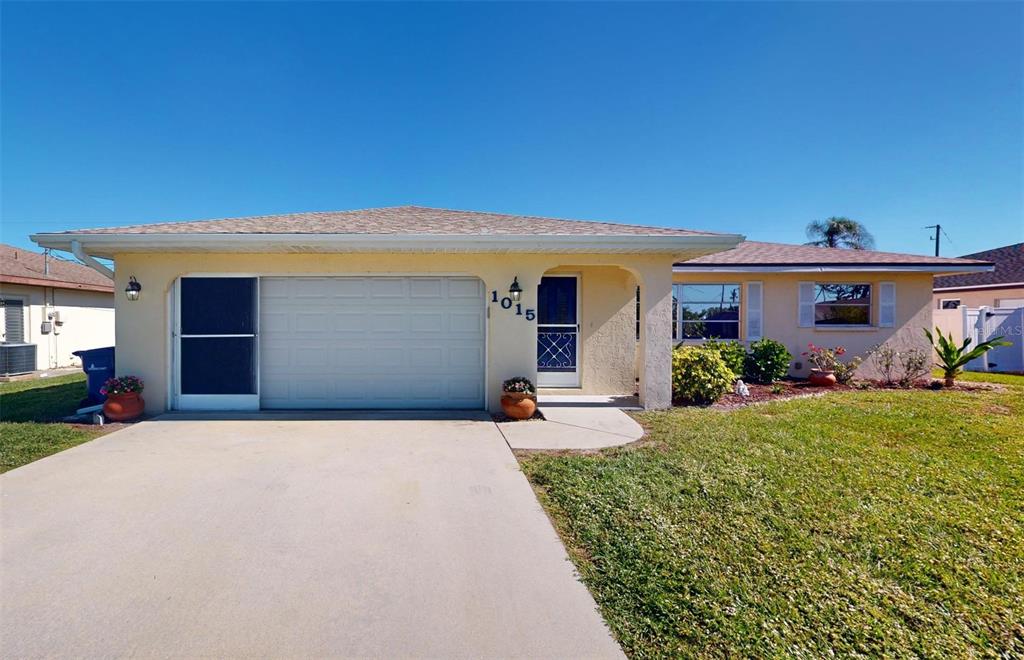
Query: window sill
[845, 328]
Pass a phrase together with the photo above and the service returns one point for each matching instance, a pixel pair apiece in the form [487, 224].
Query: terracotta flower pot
[122, 407]
[518, 405]
[822, 378]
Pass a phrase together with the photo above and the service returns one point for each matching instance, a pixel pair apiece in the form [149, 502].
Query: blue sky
[751, 118]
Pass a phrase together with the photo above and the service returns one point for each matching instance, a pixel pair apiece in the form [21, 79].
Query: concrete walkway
[371, 536]
[576, 422]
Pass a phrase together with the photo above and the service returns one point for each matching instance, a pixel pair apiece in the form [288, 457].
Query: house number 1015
[506, 303]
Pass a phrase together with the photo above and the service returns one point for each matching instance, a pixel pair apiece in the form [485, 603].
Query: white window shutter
[755, 311]
[886, 304]
[805, 317]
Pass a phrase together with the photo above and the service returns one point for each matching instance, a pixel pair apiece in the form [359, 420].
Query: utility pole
[937, 228]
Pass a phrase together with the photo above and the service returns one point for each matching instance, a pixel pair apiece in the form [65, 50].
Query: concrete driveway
[284, 537]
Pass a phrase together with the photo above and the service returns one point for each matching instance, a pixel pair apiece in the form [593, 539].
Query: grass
[980, 377]
[875, 523]
[28, 410]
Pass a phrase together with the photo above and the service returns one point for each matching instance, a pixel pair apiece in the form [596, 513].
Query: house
[799, 294]
[1002, 287]
[412, 307]
[51, 307]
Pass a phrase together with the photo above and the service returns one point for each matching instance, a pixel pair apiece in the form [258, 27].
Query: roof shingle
[413, 220]
[757, 253]
[1009, 261]
[18, 266]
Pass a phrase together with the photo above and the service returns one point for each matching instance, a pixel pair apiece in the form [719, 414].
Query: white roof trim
[109, 244]
[836, 268]
[993, 285]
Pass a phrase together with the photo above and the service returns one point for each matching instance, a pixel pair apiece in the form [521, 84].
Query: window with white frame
[705, 311]
[838, 304]
[949, 303]
[13, 327]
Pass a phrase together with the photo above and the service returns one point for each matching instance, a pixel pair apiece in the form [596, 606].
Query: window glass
[218, 365]
[14, 321]
[218, 305]
[842, 304]
[950, 303]
[556, 301]
[703, 311]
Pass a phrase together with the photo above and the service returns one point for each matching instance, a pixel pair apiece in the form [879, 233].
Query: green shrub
[766, 362]
[699, 375]
[732, 352]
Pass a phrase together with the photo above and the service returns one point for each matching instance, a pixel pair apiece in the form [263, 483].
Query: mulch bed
[794, 389]
[780, 391]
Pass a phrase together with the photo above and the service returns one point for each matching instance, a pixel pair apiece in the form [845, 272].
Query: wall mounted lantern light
[133, 289]
[515, 291]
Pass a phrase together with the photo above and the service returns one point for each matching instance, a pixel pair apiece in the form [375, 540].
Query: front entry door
[558, 331]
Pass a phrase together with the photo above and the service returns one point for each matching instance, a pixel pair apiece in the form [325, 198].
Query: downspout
[88, 260]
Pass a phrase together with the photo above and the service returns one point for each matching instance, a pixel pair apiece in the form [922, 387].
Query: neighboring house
[800, 294]
[411, 307]
[56, 305]
[1002, 287]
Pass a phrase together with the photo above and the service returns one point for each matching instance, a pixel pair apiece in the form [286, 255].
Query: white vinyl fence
[986, 323]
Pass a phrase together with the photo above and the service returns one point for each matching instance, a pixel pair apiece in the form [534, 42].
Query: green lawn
[979, 377]
[28, 409]
[874, 523]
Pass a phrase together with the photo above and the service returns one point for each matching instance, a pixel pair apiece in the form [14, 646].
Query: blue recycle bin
[98, 365]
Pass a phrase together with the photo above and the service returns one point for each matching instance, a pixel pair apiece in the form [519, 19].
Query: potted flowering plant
[825, 361]
[123, 400]
[519, 398]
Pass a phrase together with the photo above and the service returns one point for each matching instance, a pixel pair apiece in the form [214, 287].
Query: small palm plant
[953, 358]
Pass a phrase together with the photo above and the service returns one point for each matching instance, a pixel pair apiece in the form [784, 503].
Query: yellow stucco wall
[781, 305]
[144, 343]
[977, 298]
[607, 349]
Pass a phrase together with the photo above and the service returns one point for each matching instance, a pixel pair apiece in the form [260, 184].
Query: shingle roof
[756, 253]
[18, 266]
[413, 220]
[1009, 261]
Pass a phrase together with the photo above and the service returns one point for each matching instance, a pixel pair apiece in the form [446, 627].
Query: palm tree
[840, 233]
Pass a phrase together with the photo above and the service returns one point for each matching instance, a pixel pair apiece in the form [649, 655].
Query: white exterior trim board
[108, 244]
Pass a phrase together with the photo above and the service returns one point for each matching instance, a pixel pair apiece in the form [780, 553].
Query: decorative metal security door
[558, 331]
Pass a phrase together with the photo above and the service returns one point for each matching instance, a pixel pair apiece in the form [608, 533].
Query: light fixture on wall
[133, 289]
[515, 291]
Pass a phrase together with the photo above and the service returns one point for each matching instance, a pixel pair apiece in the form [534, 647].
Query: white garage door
[371, 342]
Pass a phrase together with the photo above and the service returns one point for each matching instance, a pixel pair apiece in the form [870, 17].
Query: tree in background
[840, 233]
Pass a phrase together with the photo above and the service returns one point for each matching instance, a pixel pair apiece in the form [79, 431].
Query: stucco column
[656, 336]
[512, 338]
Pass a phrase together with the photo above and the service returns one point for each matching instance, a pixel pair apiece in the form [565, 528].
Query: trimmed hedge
[766, 362]
[699, 375]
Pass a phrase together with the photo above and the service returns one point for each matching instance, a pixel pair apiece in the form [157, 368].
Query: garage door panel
[426, 321]
[427, 358]
[465, 288]
[465, 357]
[372, 342]
[389, 322]
[274, 322]
[271, 289]
[388, 287]
[426, 287]
[310, 322]
[468, 322]
[313, 288]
